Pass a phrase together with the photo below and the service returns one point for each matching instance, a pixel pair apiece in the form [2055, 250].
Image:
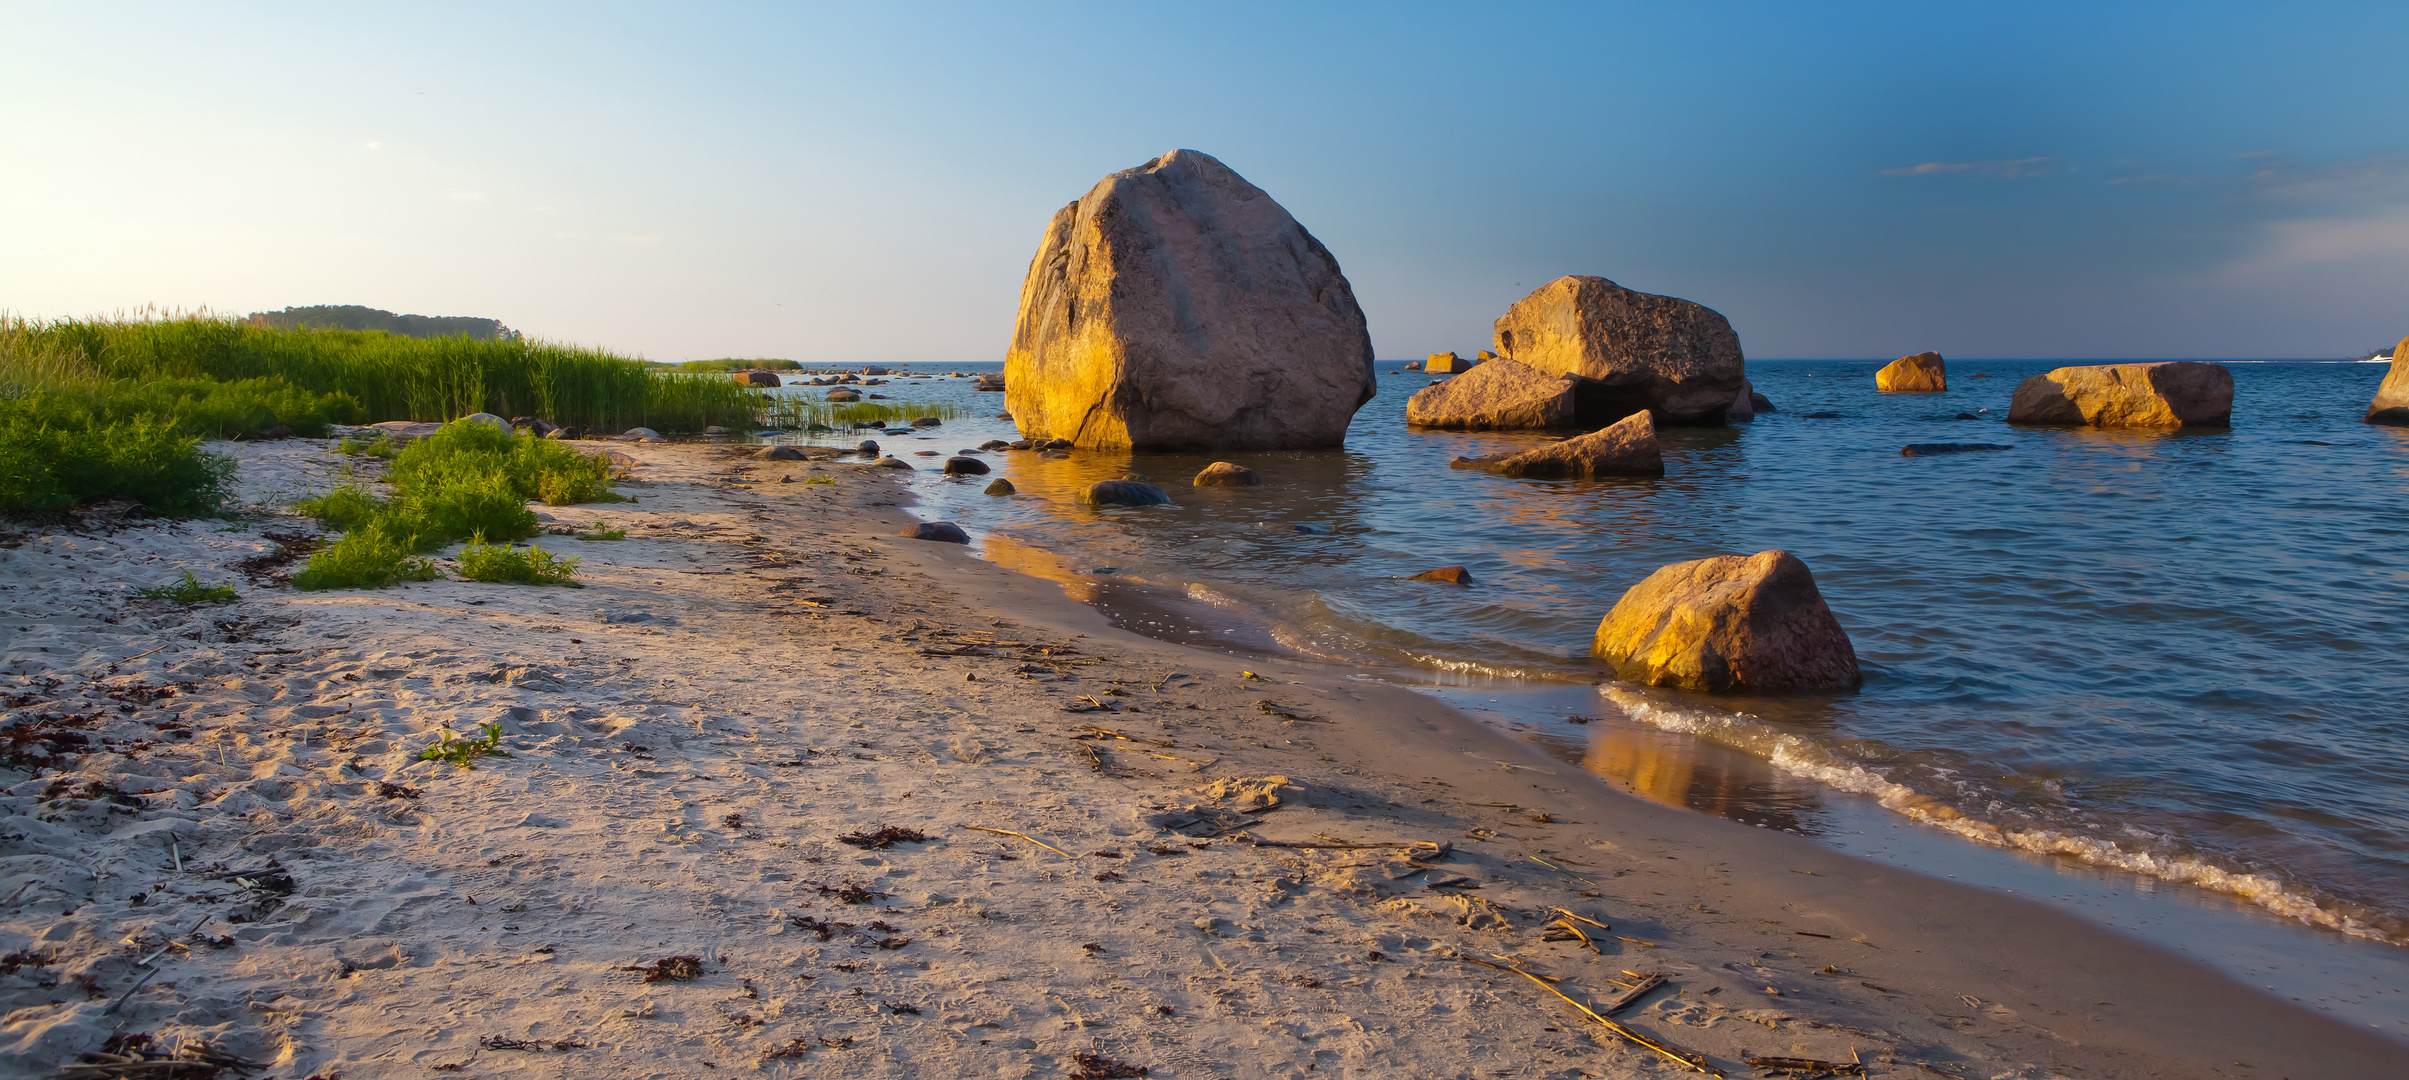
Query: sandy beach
[784, 792]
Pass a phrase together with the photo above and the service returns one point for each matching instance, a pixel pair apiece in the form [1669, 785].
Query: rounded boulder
[1729, 624]
[943, 532]
[965, 466]
[1123, 493]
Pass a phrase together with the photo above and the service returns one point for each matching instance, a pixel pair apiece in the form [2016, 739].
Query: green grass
[384, 376]
[739, 365]
[465, 752]
[504, 564]
[56, 454]
[465, 481]
[190, 591]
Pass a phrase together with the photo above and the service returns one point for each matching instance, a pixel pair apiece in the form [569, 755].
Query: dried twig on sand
[1092, 730]
[1022, 835]
[1691, 1058]
[1638, 990]
[1808, 1066]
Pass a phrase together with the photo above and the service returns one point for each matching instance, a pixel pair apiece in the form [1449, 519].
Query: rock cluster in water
[1626, 351]
[1176, 306]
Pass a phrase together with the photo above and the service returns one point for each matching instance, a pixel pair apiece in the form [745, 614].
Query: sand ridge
[762, 670]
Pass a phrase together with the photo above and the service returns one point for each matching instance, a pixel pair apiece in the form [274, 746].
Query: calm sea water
[2173, 654]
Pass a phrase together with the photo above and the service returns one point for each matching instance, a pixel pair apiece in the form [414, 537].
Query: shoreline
[793, 673]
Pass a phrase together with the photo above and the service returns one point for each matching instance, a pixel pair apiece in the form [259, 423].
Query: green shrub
[190, 591]
[56, 453]
[604, 534]
[383, 447]
[364, 560]
[343, 509]
[502, 563]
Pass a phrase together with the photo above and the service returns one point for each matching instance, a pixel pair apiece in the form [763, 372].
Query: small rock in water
[715, 429]
[965, 466]
[787, 479]
[1123, 493]
[1820, 415]
[998, 444]
[944, 532]
[891, 463]
[1313, 530]
[927, 421]
[1226, 474]
[779, 453]
[868, 446]
[1001, 487]
[1058, 444]
[924, 453]
[1022, 444]
[1965, 416]
[1453, 575]
[1928, 449]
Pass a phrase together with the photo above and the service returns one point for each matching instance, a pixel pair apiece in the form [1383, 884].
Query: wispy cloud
[2018, 169]
[2351, 183]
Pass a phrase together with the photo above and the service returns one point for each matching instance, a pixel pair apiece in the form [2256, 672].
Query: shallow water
[2164, 654]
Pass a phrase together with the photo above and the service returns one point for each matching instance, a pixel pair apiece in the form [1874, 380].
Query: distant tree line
[355, 317]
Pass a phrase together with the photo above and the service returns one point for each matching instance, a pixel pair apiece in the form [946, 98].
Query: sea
[2160, 678]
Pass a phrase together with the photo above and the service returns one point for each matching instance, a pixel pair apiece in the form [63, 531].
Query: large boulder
[1446, 363]
[1626, 447]
[2391, 405]
[1728, 624]
[1496, 395]
[1627, 351]
[1177, 306]
[755, 378]
[1923, 373]
[2175, 393]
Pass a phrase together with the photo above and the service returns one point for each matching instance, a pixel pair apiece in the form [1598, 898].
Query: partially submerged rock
[1001, 486]
[1930, 449]
[842, 394]
[1923, 373]
[2175, 393]
[1743, 407]
[1498, 395]
[1176, 306]
[891, 462]
[1625, 448]
[2391, 405]
[1728, 624]
[943, 532]
[1453, 575]
[1226, 474]
[1123, 493]
[755, 378]
[1629, 351]
[965, 466]
[866, 447]
[1446, 363]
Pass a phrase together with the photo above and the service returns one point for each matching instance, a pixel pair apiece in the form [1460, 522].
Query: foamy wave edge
[1803, 758]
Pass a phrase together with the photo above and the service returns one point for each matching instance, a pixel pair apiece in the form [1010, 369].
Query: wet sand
[763, 670]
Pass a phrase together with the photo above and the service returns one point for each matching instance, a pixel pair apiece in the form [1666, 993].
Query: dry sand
[764, 668]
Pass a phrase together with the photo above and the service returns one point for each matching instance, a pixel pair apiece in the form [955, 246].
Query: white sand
[760, 670]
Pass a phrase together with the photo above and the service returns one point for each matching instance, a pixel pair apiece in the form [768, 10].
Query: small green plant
[465, 752]
[382, 447]
[190, 591]
[822, 478]
[613, 533]
[343, 509]
[502, 563]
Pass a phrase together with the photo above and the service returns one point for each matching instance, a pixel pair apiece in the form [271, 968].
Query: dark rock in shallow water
[1965, 416]
[944, 532]
[1760, 402]
[1928, 449]
[1123, 493]
[965, 466]
[1001, 487]
[1226, 474]
[997, 444]
[1453, 575]
[927, 421]
[1819, 416]
[868, 446]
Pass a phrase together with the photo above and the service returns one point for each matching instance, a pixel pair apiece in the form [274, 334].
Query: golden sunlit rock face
[1176, 306]
[1730, 624]
[1923, 373]
[2391, 405]
[1627, 351]
[2178, 393]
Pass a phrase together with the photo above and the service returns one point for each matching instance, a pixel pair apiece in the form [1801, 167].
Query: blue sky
[868, 182]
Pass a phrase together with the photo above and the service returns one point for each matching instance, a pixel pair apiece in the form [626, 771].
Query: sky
[867, 182]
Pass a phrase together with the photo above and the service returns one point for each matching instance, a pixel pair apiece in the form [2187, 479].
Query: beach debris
[502, 1042]
[1806, 1067]
[1091, 731]
[885, 836]
[1098, 1067]
[1199, 821]
[130, 1054]
[1252, 794]
[1690, 1058]
[1634, 990]
[1284, 713]
[1022, 835]
[671, 969]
